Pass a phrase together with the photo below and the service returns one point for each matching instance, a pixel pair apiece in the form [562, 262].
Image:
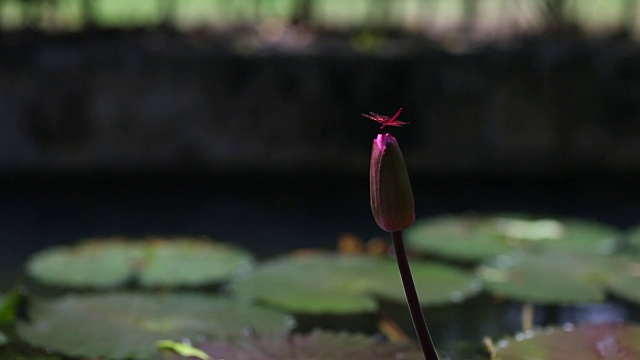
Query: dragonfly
[385, 120]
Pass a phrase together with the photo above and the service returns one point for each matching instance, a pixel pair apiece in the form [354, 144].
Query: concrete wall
[137, 102]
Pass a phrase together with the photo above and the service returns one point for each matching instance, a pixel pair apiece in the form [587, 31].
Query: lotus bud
[390, 189]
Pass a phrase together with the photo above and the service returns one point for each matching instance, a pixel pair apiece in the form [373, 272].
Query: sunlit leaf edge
[488, 243]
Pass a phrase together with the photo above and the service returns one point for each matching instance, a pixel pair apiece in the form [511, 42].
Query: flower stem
[419, 323]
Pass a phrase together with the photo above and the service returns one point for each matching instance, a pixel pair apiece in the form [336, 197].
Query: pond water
[273, 214]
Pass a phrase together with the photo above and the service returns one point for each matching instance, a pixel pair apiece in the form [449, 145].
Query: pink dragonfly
[385, 120]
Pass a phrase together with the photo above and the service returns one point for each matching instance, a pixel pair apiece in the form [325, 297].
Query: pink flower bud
[390, 189]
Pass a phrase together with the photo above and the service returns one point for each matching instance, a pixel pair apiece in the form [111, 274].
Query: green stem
[419, 323]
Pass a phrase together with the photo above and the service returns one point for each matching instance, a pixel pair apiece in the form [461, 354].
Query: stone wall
[136, 102]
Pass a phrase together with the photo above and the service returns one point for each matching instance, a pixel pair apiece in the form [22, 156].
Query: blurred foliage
[9, 304]
[153, 262]
[315, 345]
[350, 284]
[418, 15]
[129, 325]
[586, 342]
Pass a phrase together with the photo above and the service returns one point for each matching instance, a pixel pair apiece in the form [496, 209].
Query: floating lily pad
[314, 346]
[585, 342]
[342, 284]
[557, 278]
[548, 278]
[473, 238]
[121, 326]
[634, 238]
[624, 280]
[155, 262]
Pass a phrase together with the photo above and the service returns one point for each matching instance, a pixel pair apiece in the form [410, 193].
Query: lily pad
[633, 235]
[314, 346]
[343, 284]
[473, 238]
[624, 280]
[548, 278]
[560, 278]
[128, 325]
[155, 262]
[584, 342]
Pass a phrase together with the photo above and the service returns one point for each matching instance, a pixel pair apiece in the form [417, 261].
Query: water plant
[347, 284]
[584, 342]
[105, 263]
[472, 238]
[129, 325]
[393, 208]
[179, 298]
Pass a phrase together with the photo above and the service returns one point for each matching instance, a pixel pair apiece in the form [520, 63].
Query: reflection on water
[595, 313]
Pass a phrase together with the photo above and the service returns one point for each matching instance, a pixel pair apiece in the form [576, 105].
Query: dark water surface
[273, 214]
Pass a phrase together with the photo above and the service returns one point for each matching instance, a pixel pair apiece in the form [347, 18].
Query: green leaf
[584, 342]
[316, 345]
[128, 325]
[342, 284]
[633, 236]
[457, 237]
[473, 238]
[624, 279]
[183, 349]
[187, 262]
[9, 306]
[547, 278]
[155, 262]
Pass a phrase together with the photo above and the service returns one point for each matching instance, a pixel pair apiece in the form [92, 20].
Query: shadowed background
[241, 119]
